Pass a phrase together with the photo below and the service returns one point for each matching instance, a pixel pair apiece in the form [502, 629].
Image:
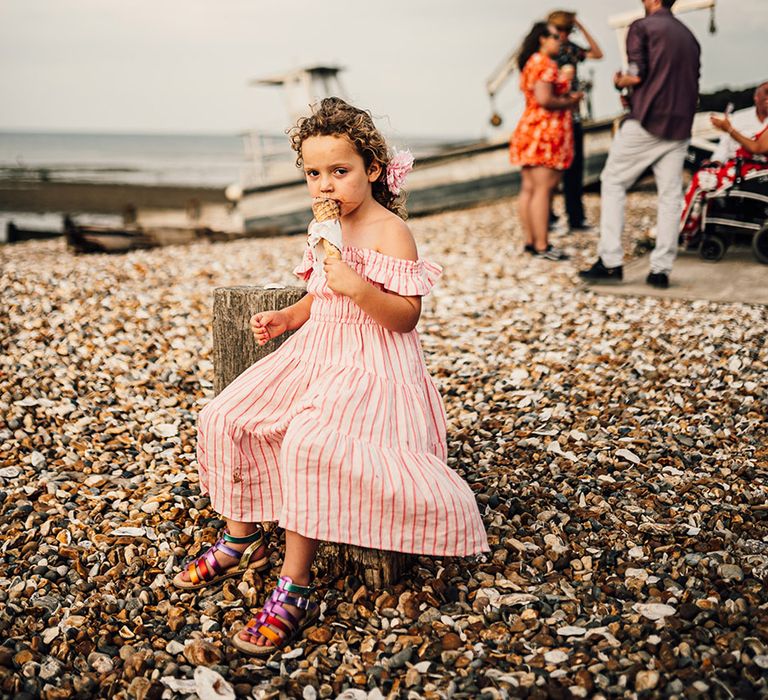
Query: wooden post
[375, 568]
[234, 350]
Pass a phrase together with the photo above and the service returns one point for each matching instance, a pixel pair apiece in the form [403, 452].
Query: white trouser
[632, 151]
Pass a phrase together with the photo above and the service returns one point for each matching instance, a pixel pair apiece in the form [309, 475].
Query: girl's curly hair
[332, 116]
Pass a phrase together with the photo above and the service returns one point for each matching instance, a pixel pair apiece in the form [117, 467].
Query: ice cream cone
[327, 210]
[331, 251]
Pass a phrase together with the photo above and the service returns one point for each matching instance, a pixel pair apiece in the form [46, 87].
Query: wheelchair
[736, 213]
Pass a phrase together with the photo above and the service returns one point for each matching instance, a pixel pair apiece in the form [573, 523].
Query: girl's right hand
[267, 325]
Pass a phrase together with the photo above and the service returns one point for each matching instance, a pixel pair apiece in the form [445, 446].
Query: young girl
[339, 435]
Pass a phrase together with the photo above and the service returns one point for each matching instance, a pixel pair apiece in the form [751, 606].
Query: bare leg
[236, 529]
[524, 204]
[299, 555]
[544, 182]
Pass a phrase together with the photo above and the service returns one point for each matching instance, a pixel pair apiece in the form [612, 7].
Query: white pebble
[654, 611]
[173, 647]
[556, 656]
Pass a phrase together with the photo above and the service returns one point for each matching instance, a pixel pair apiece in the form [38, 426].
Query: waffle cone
[326, 209]
[331, 251]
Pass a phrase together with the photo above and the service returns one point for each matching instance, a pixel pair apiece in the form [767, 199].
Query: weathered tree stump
[373, 567]
[234, 350]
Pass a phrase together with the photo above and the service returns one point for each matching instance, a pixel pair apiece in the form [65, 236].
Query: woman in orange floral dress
[543, 140]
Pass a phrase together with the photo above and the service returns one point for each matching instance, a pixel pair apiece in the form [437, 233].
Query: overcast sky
[184, 65]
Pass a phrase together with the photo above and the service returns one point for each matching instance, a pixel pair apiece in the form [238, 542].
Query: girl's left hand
[721, 123]
[341, 278]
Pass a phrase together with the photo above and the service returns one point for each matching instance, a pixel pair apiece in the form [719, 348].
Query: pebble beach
[617, 447]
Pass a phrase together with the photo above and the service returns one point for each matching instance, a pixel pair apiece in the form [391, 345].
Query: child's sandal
[274, 615]
[206, 571]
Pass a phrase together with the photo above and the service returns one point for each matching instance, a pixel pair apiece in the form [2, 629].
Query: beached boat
[16, 234]
[454, 178]
[110, 239]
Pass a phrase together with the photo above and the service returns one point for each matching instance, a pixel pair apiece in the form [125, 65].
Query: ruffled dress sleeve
[304, 269]
[409, 278]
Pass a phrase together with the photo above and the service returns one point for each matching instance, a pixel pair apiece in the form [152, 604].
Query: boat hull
[457, 179]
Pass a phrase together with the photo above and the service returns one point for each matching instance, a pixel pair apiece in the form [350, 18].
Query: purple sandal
[274, 615]
[206, 571]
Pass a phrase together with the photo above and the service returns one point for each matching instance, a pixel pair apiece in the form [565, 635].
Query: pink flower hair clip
[400, 164]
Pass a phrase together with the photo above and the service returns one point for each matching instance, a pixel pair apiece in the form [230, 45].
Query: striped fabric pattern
[339, 434]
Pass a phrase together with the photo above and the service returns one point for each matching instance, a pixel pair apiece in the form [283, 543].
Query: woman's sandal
[206, 571]
[273, 614]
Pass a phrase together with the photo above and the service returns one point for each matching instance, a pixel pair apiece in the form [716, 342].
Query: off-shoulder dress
[340, 434]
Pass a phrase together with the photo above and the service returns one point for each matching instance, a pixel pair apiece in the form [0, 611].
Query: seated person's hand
[268, 324]
[722, 123]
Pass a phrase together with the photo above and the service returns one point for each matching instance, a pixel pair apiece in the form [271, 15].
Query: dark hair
[332, 116]
[532, 43]
[668, 3]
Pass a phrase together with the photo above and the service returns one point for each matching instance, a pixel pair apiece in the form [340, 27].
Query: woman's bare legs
[524, 203]
[236, 529]
[543, 183]
[299, 555]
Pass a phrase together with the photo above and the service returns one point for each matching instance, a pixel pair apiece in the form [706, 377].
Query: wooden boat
[16, 234]
[456, 178]
[108, 239]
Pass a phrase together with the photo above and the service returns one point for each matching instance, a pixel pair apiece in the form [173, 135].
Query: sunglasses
[552, 35]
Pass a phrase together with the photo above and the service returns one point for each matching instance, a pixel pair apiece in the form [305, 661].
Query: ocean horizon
[213, 160]
[200, 160]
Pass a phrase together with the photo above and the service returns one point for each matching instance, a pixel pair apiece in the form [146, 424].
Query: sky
[420, 66]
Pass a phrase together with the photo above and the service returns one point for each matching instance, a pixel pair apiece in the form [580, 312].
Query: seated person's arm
[757, 146]
[393, 311]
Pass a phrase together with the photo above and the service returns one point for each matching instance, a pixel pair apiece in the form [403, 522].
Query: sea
[199, 160]
[139, 159]
[208, 160]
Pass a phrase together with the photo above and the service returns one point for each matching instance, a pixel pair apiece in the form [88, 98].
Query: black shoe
[660, 280]
[600, 273]
[529, 249]
[551, 253]
[583, 227]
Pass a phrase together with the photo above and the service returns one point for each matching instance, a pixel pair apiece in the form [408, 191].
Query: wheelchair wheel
[712, 248]
[760, 244]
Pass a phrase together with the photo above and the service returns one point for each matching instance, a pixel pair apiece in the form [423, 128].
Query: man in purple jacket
[663, 77]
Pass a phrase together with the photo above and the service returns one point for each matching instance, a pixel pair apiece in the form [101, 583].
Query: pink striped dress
[339, 434]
